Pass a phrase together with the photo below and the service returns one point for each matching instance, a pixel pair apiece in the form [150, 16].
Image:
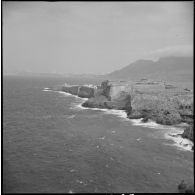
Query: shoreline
[173, 131]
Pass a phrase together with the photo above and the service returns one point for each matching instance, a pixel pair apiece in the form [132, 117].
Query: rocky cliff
[71, 89]
[86, 92]
[81, 91]
[158, 101]
[189, 133]
[110, 96]
[147, 99]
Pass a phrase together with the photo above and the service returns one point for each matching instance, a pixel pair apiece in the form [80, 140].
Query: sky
[92, 37]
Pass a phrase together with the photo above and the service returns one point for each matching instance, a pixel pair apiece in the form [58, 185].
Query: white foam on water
[119, 113]
[170, 132]
[68, 94]
[46, 89]
[70, 191]
[139, 139]
[71, 116]
[153, 125]
[90, 85]
[111, 158]
[79, 106]
[180, 142]
[64, 93]
[149, 124]
[81, 182]
[72, 170]
[102, 137]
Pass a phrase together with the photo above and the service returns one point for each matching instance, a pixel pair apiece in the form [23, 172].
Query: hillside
[172, 69]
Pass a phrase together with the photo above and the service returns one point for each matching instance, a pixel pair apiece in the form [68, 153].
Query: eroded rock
[86, 92]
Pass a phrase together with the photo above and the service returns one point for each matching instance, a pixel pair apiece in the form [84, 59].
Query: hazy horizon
[92, 37]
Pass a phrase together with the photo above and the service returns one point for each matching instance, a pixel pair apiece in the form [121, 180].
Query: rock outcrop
[189, 133]
[158, 101]
[81, 91]
[104, 98]
[153, 100]
[185, 188]
[105, 86]
[71, 89]
[155, 107]
[98, 102]
[85, 92]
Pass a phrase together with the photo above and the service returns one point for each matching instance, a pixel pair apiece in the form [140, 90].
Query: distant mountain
[65, 75]
[175, 69]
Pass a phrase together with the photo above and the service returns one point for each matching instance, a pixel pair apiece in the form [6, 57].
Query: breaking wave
[180, 142]
[47, 89]
[170, 132]
[119, 113]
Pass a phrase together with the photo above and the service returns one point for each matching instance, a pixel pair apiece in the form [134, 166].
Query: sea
[51, 144]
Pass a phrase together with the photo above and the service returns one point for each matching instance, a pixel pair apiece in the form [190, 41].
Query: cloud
[80, 37]
[178, 50]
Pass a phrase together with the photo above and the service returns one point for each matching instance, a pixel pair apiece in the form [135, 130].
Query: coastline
[173, 132]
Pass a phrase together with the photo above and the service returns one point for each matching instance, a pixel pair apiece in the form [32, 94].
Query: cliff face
[156, 107]
[85, 92]
[163, 103]
[98, 102]
[81, 91]
[109, 96]
[122, 102]
[71, 89]
[189, 132]
[145, 99]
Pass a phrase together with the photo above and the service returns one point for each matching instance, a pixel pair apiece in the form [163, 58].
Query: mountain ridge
[171, 68]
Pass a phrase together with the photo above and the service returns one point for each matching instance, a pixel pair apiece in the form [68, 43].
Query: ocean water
[51, 144]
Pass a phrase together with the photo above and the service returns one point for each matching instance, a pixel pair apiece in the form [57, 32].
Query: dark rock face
[81, 91]
[146, 102]
[144, 120]
[159, 116]
[103, 99]
[187, 113]
[105, 86]
[165, 104]
[185, 188]
[167, 119]
[135, 114]
[189, 132]
[122, 102]
[85, 92]
[72, 89]
[158, 108]
[98, 102]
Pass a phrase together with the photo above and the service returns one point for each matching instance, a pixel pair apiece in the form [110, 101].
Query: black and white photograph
[97, 97]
